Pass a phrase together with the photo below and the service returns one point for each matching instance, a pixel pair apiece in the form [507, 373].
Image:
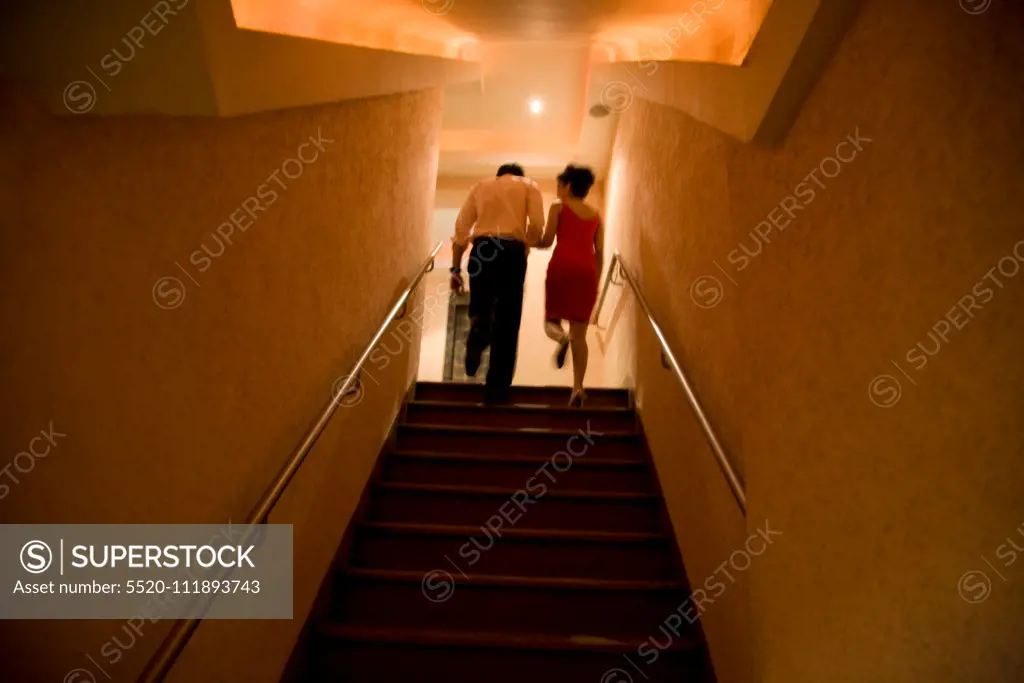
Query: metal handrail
[167, 654]
[668, 359]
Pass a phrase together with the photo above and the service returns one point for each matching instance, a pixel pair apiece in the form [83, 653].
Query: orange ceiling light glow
[719, 31]
[494, 118]
[420, 28]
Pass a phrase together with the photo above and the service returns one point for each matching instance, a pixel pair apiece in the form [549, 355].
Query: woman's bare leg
[578, 343]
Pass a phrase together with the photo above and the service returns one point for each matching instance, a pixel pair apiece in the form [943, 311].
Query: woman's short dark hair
[511, 169]
[579, 179]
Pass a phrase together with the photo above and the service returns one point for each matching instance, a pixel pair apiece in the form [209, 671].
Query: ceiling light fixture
[536, 106]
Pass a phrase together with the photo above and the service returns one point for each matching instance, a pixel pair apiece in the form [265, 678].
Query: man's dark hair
[579, 179]
[511, 169]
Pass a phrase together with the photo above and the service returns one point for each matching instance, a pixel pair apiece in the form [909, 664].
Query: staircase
[521, 543]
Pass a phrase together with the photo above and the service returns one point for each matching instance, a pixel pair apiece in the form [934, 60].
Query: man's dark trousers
[497, 271]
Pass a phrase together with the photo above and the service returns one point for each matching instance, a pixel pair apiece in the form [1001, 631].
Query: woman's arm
[551, 228]
[599, 244]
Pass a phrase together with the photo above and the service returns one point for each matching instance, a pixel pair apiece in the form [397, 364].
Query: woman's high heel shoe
[577, 398]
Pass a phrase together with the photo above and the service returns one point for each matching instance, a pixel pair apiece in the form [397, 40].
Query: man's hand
[456, 283]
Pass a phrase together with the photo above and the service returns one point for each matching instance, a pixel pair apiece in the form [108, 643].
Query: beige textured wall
[184, 415]
[882, 509]
[662, 196]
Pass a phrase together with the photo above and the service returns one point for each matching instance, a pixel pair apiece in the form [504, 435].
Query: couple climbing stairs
[524, 542]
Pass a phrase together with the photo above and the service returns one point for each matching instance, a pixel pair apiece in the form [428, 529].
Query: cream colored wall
[891, 505]
[185, 414]
[658, 189]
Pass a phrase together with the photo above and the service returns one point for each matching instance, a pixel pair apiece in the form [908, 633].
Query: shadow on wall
[849, 308]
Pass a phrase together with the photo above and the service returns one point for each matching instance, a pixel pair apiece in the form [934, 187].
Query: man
[501, 217]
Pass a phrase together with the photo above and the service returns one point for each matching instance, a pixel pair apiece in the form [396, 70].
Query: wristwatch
[455, 269]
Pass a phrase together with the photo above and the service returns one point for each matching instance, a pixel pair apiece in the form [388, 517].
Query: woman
[573, 272]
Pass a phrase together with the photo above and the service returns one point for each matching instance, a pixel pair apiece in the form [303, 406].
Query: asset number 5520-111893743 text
[194, 587]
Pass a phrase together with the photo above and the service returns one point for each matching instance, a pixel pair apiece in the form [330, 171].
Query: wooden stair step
[455, 413]
[518, 551]
[557, 535]
[543, 642]
[607, 474]
[463, 392]
[447, 599]
[507, 459]
[536, 432]
[506, 492]
[578, 443]
[541, 582]
[363, 655]
[497, 508]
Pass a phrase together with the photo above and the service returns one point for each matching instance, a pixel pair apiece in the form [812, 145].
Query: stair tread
[514, 459]
[507, 492]
[417, 577]
[495, 639]
[553, 388]
[521, 407]
[512, 532]
[582, 581]
[516, 431]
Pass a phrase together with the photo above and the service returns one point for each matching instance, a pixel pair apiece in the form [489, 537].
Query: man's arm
[534, 215]
[464, 225]
[551, 229]
[460, 240]
[457, 251]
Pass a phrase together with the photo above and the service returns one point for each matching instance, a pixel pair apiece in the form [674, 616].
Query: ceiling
[525, 50]
[489, 122]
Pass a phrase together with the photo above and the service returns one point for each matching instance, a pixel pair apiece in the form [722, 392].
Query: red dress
[571, 287]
